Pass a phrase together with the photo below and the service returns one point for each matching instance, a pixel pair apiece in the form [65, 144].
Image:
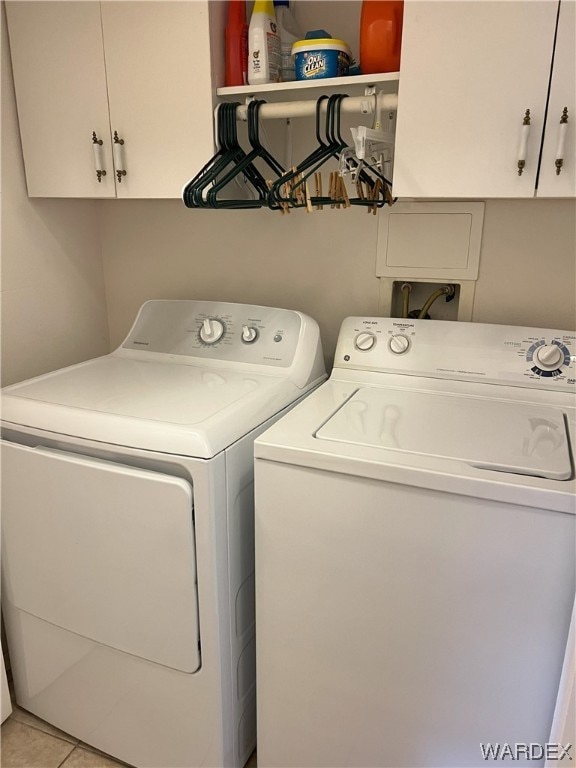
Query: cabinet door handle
[98, 159]
[562, 131]
[523, 142]
[119, 157]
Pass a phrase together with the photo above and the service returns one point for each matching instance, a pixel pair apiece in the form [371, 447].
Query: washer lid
[488, 434]
[161, 406]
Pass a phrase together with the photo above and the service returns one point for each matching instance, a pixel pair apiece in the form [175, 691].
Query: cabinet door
[60, 82]
[160, 92]
[562, 94]
[469, 72]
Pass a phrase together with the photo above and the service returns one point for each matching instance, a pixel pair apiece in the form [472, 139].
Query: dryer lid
[173, 408]
[488, 434]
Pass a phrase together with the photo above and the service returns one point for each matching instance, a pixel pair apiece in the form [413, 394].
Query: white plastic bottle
[289, 34]
[263, 45]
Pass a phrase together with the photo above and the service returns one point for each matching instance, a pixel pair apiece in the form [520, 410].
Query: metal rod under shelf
[365, 105]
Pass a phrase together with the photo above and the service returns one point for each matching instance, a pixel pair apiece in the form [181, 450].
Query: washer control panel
[217, 331]
[536, 357]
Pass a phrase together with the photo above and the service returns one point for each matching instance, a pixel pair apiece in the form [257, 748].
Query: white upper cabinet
[139, 77]
[60, 81]
[560, 143]
[159, 91]
[470, 71]
[136, 71]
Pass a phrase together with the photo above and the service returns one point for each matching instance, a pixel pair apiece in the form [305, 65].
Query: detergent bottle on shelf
[289, 33]
[380, 35]
[263, 45]
[236, 43]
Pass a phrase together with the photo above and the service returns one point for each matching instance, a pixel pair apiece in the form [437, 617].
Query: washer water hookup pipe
[406, 290]
[446, 290]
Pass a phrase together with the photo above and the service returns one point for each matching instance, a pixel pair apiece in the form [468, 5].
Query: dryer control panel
[532, 357]
[217, 331]
[229, 336]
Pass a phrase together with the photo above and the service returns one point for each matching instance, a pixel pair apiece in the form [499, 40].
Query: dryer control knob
[549, 356]
[398, 344]
[364, 341]
[211, 330]
[249, 334]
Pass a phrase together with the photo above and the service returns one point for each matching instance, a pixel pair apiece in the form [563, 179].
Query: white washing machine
[127, 515]
[415, 549]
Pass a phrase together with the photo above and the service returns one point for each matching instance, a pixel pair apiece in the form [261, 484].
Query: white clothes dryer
[415, 549]
[127, 515]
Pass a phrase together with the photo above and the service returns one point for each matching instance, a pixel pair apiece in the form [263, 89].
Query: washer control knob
[398, 344]
[364, 341]
[249, 334]
[211, 330]
[549, 356]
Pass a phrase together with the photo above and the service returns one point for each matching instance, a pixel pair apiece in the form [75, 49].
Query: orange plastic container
[380, 35]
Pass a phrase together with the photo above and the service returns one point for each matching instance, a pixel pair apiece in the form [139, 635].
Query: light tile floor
[28, 742]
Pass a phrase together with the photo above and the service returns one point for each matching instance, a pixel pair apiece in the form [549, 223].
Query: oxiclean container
[321, 57]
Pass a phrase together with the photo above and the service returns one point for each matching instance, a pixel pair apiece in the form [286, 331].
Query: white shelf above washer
[390, 78]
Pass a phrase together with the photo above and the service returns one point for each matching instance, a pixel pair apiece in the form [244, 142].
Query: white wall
[53, 306]
[528, 264]
[320, 263]
[324, 263]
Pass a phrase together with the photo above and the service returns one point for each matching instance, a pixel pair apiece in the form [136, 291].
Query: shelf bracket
[366, 106]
